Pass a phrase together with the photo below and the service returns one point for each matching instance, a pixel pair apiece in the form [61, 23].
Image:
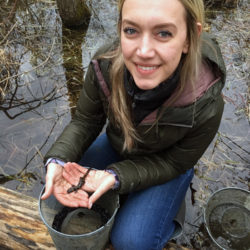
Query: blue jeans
[146, 220]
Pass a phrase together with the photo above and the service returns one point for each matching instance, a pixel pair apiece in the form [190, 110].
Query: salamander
[81, 182]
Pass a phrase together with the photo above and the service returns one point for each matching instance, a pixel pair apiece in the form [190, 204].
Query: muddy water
[50, 62]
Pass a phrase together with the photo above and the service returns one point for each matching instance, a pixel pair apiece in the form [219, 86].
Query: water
[229, 226]
[50, 69]
[47, 63]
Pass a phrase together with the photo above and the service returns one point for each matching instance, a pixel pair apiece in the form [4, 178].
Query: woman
[159, 87]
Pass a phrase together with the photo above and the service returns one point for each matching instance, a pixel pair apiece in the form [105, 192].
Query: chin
[144, 85]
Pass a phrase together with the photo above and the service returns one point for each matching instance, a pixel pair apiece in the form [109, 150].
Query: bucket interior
[81, 228]
[227, 218]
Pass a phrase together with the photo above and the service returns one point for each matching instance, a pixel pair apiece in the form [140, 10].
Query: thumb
[94, 197]
[48, 189]
[103, 188]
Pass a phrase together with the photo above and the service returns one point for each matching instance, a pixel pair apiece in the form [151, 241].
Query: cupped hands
[97, 182]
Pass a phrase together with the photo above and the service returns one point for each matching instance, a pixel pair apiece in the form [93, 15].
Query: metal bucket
[67, 239]
[227, 218]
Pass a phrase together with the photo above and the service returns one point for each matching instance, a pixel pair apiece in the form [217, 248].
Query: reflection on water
[35, 107]
[72, 62]
[41, 71]
[41, 75]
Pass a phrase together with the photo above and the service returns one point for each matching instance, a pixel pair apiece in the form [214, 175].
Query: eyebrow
[158, 26]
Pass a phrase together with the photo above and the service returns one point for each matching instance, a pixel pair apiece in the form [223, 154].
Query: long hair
[119, 102]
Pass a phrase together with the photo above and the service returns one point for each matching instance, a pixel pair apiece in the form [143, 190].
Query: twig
[11, 14]
[234, 151]
[14, 25]
[39, 153]
[40, 65]
[236, 144]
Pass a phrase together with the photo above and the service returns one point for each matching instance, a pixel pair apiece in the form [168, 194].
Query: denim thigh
[146, 219]
[100, 154]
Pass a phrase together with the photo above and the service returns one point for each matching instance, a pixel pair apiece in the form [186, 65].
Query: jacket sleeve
[85, 126]
[161, 167]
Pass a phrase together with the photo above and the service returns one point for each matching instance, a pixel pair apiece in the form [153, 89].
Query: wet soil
[80, 220]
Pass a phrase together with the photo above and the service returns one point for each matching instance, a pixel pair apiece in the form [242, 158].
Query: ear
[199, 28]
[186, 45]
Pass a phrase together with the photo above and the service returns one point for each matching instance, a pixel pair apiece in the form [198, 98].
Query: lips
[146, 69]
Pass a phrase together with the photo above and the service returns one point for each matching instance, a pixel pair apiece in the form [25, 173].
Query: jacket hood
[211, 51]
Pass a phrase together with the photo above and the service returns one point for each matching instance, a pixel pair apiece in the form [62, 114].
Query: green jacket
[171, 147]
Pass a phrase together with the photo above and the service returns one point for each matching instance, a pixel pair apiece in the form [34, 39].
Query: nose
[145, 47]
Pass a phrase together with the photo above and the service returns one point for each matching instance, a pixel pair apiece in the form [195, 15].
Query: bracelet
[117, 182]
[53, 160]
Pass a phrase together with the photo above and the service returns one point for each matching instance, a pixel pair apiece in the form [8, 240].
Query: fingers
[94, 197]
[69, 177]
[48, 187]
[74, 168]
[77, 199]
[107, 184]
[97, 181]
[53, 172]
[48, 191]
[72, 173]
[58, 180]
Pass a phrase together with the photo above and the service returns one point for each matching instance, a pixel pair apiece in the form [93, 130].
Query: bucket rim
[206, 205]
[76, 235]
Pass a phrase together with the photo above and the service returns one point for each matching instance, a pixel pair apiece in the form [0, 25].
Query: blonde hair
[119, 102]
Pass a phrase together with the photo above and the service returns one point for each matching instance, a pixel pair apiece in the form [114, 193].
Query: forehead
[153, 10]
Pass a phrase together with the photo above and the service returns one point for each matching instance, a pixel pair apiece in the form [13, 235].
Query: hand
[58, 186]
[97, 182]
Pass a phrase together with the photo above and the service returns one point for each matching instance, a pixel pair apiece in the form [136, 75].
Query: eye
[164, 34]
[129, 31]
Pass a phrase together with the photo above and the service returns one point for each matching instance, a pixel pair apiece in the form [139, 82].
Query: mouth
[146, 69]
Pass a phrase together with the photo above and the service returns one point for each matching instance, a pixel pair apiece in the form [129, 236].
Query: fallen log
[21, 227]
[20, 223]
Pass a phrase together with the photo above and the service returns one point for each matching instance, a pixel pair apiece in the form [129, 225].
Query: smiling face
[153, 38]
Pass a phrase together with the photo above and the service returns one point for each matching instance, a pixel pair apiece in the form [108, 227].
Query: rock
[73, 12]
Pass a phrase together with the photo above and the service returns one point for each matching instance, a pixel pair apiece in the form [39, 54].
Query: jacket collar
[146, 101]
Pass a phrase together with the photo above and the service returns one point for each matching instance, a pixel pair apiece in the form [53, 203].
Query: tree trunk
[73, 12]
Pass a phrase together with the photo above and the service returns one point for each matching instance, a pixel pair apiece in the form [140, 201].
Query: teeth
[147, 68]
